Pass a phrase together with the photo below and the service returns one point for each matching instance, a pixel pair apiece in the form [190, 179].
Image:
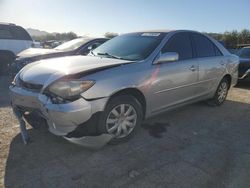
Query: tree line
[65, 36]
[231, 39]
[55, 36]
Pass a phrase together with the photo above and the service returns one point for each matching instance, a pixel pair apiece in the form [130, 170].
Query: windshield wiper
[92, 53]
[109, 55]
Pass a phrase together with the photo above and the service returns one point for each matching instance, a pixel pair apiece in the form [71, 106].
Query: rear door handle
[192, 68]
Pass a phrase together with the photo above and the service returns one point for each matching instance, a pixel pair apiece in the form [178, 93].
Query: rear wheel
[220, 94]
[121, 118]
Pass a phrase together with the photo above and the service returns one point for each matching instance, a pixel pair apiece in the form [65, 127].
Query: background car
[51, 44]
[233, 51]
[79, 46]
[13, 39]
[244, 66]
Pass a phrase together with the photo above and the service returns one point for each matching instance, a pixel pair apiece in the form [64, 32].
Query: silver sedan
[122, 82]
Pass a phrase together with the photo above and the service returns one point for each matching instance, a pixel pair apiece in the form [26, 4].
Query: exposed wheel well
[6, 58]
[229, 79]
[135, 93]
[8, 53]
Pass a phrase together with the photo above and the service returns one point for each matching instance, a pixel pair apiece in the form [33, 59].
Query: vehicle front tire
[220, 94]
[34, 120]
[122, 117]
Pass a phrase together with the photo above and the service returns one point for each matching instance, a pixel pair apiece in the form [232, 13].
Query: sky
[96, 17]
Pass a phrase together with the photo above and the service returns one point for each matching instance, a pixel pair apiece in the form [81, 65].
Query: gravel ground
[193, 146]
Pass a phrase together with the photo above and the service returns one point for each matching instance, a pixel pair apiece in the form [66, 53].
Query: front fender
[111, 81]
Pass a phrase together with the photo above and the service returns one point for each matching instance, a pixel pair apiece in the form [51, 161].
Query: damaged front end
[73, 120]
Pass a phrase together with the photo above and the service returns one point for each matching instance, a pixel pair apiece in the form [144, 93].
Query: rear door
[211, 63]
[176, 81]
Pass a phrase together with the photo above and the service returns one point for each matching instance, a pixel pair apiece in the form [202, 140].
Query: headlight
[70, 89]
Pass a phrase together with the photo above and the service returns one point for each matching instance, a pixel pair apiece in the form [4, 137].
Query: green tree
[230, 39]
[244, 37]
[110, 35]
[56, 36]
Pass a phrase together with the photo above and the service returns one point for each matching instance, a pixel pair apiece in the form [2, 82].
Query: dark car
[233, 51]
[79, 46]
[244, 66]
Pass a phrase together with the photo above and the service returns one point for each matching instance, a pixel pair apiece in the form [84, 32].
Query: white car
[13, 39]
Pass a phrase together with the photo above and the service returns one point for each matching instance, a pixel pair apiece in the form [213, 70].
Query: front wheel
[121, 118]
[220, 94]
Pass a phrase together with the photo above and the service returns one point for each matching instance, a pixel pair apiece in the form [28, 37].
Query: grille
[30, 86]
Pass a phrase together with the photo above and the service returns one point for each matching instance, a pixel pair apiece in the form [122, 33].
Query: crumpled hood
[32, 52]
[46, 71]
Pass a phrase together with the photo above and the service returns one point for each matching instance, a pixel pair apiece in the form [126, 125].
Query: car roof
[167, 31]
[92, 38]
[10, 24]
[155, 31]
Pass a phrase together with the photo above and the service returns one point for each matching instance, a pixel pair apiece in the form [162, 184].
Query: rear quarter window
[217, 51]
[14, 33]
[19, 33]
[5, 33]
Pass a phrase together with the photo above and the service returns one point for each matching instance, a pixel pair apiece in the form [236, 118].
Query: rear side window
[19, 33]
[181, 44]
[5, 33]
[204, 47]
[217, 51]
[13, 32]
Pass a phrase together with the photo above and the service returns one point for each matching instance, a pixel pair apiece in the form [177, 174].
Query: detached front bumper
[61, 118]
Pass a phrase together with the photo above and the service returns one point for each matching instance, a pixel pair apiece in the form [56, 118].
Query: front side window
[204, 47]
[134, 46]
[94, 45]
[181, 44]
[90, 47]
[72, 44]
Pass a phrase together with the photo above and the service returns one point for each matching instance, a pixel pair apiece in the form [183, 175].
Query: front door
[175, 82]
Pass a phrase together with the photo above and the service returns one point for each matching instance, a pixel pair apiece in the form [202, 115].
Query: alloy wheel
[222, 92]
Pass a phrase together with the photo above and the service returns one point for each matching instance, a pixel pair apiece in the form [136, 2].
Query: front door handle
[192, 68]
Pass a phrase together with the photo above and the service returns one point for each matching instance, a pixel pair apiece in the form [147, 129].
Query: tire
[34, 120]
[220, 94]
[122, 117]
[5, 61]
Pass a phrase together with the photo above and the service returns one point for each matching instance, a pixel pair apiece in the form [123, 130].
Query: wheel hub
[121, 120]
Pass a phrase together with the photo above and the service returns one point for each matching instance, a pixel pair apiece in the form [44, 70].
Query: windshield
[72, 45]
[135, 46]
[244, 53]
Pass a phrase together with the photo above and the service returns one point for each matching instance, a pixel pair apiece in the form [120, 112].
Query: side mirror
[168, 57]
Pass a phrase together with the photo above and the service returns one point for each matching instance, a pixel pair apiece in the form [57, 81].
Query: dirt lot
[194, 146]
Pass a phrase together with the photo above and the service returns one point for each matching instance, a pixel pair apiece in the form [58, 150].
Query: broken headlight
[70, 89]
